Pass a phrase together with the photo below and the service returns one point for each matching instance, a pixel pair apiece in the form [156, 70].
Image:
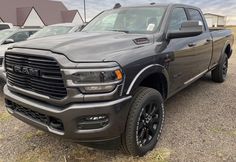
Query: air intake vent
[140, 41]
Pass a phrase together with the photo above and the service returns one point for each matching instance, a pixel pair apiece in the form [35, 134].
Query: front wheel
[145, 122]
[220, 72]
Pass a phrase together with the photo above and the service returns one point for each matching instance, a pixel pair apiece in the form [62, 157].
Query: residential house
[37, 13]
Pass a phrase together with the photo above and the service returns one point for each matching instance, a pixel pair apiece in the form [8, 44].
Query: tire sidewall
[217, 73]
[138, 104]
[225, 59]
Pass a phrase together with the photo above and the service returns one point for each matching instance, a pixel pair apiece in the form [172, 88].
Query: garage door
[209, 22]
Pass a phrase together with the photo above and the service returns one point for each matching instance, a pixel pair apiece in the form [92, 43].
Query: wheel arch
[227, 50]
[153, 76]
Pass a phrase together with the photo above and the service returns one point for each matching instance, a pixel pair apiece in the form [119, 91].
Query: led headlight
[97, 81]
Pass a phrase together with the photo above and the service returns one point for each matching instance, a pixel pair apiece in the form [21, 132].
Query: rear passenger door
[203, 43]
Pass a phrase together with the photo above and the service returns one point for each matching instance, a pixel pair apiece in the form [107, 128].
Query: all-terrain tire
[220, 72]
[138, 111]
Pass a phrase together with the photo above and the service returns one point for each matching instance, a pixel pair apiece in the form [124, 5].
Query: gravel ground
[200, 126]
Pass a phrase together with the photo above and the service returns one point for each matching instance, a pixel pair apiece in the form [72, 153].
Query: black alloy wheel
[148, 124]
[225, 68]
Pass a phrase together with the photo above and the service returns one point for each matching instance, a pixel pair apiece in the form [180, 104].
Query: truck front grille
[38, 74]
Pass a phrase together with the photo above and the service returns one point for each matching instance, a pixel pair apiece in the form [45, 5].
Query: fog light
[93, 122]
[95, 118]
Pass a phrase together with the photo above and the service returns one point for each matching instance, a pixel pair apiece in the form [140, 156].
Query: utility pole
[84, 11]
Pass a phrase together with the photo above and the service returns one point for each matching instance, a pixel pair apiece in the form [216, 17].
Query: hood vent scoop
[140, 41]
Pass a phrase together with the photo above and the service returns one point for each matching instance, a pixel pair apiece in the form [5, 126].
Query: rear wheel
[219, 74]
[145, 122]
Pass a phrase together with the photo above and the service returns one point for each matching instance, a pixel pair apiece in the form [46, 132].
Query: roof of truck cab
[161, 5]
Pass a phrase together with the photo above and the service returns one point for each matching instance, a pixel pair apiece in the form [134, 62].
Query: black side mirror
[188, 29]
[8, 41]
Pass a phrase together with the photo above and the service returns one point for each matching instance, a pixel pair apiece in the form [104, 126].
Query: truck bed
[216, 29]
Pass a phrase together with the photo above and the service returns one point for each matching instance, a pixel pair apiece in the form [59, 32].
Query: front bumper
[116, 112]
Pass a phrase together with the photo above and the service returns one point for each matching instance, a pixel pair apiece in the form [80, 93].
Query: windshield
[51, 31]
[5, 34]
[130, 20]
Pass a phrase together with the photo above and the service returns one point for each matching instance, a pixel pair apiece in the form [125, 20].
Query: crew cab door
[191, 55]
[203, 48]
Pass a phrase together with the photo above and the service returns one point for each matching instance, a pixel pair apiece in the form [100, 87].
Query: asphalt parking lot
[200, 126]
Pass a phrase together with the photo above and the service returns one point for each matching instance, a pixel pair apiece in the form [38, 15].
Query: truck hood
[85, 47]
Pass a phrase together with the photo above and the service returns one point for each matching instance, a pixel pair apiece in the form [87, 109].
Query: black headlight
[97, 77]
[97, 81]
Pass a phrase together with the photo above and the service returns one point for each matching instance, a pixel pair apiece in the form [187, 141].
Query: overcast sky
[222, 7]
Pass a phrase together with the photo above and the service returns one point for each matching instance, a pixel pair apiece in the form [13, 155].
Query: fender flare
[144, 73]
[223, 50]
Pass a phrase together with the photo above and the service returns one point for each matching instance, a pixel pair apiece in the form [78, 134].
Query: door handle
[207, 41]
[192, 44]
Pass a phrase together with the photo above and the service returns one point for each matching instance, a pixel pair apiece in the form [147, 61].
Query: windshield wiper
[123, 31]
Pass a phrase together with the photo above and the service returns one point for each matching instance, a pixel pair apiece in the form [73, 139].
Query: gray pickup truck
[110, 80]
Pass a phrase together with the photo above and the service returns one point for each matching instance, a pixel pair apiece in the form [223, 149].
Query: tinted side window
[32, 32]
[195, 15]
[177, 18]
[20, 36]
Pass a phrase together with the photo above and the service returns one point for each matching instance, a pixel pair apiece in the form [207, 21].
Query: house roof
[16, 11]
[68, 16]
[214, 14]
[22, 14]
